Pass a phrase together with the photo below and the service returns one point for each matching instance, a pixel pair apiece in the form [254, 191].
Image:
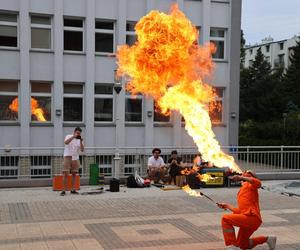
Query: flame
[167, 64]
[35, 109]
[190, 192]
[206, 177]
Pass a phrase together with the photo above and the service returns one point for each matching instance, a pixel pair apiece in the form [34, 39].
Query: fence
[36, 163]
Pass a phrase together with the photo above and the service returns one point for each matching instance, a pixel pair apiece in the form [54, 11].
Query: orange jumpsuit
[246, 217]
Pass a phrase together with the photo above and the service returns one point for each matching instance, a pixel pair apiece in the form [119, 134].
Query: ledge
[167, 124]
[73, 124]
[10, 124]
[40, 124]
[104, 125]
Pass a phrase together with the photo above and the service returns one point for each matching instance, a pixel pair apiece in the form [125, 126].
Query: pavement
[148, 218]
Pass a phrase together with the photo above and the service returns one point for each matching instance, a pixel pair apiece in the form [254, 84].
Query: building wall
[274, 52]
[56, 66]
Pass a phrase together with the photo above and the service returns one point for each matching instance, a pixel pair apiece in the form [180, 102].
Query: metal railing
[45, 162]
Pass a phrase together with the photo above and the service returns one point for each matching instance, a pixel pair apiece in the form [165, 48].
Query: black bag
[131, 182]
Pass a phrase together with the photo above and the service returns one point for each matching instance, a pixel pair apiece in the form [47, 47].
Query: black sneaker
[63, 193]
[74, 192]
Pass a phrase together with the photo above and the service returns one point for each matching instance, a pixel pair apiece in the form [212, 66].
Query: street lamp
[117, 159]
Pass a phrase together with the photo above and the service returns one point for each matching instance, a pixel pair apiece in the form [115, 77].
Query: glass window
[267, 48]
[281, 46]
[9, 105]
[73, 34]
[103, 103]
[217, 37]
[41, 32]
[41, 102]
[73, 102]
[8, 30]
[158, 116]
[104, 37]
[133, 108]
[216, 107]
[130, 33]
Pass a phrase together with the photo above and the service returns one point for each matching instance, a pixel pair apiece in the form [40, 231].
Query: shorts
[71, 165]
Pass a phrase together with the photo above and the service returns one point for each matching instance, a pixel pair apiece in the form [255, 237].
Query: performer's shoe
[271, 241]
[232, 247]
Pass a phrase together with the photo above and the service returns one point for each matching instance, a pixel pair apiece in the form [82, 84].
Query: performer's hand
[223, 205]
[235, 178]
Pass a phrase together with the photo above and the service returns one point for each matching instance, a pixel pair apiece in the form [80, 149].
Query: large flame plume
[167, 64]
[35, 109]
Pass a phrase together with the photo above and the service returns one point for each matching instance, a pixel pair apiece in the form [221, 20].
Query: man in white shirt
[73, 145]
[156, 166]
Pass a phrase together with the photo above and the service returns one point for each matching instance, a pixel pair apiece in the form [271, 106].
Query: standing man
[246, 216]
[156, 166]
[73, 145]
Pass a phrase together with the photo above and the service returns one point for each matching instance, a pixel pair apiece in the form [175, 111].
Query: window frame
[222, 99]
[105, 96]
[222, 39]
[74, 29]
[42, 26]
[130, 32]
[106, 31]
[43, 94]
[74, 95]
[11, 24]
[161, 122]
[9, 93]
[140, 97]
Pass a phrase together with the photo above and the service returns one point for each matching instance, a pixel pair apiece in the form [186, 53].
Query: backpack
[131, 182]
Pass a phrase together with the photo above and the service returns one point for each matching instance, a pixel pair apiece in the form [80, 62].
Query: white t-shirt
[152, 162]
[73, 148]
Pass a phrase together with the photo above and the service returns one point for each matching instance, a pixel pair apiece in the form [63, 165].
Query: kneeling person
[156, 166]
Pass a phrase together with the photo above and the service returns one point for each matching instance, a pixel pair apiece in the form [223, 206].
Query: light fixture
[58, 112]
[233, 115]
[149, 113]
[118, 83]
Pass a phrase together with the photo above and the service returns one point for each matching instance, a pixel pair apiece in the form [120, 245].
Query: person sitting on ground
[197, 160]
[156, 166]
[175, 165]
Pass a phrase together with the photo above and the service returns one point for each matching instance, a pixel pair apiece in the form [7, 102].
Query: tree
[291, 79]
[242, 50]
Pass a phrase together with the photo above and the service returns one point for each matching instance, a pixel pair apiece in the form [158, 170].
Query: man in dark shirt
[175, 165]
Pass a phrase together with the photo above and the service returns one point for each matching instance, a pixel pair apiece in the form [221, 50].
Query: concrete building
[277, 53]
[59, 53]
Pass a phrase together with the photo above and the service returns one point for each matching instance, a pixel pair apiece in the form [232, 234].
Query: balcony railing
[36, 163]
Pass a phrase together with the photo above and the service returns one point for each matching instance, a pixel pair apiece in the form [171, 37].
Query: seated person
[156, 166]
[198, 160]
[175, 165]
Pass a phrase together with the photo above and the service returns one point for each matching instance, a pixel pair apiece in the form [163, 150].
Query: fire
[35, 109]
[190, 192]
[167, 64]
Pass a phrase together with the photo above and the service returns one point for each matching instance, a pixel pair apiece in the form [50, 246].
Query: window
[105, 164]
[9, 105]
[73, 102]
[250, 63]
[103, 103]
[104, 37]
[158, 116]
[217, 37]
[267, 48]
[251, 51]
[267, 58]
[40, 166]
[9, 166]
[41, 32]
[281, 60]
[40, 102]
[216, 107]
[73, 34]
[132, 164]
[130, 33]
[281, 46]
[133, 108]
[8, 30]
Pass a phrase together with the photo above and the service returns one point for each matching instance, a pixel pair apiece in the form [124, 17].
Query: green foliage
[270, 103]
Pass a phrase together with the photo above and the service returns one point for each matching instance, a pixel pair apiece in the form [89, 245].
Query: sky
[279, 19]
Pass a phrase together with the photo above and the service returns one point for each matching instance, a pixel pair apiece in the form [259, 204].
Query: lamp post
[284, 115]
[117, 159]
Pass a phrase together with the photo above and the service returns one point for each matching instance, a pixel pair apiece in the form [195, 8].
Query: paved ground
[39, 218]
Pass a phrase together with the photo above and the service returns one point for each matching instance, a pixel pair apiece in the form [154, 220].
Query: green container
[94, 174]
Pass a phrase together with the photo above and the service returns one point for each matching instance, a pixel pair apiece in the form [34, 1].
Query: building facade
[58, 56]
[277, 53]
